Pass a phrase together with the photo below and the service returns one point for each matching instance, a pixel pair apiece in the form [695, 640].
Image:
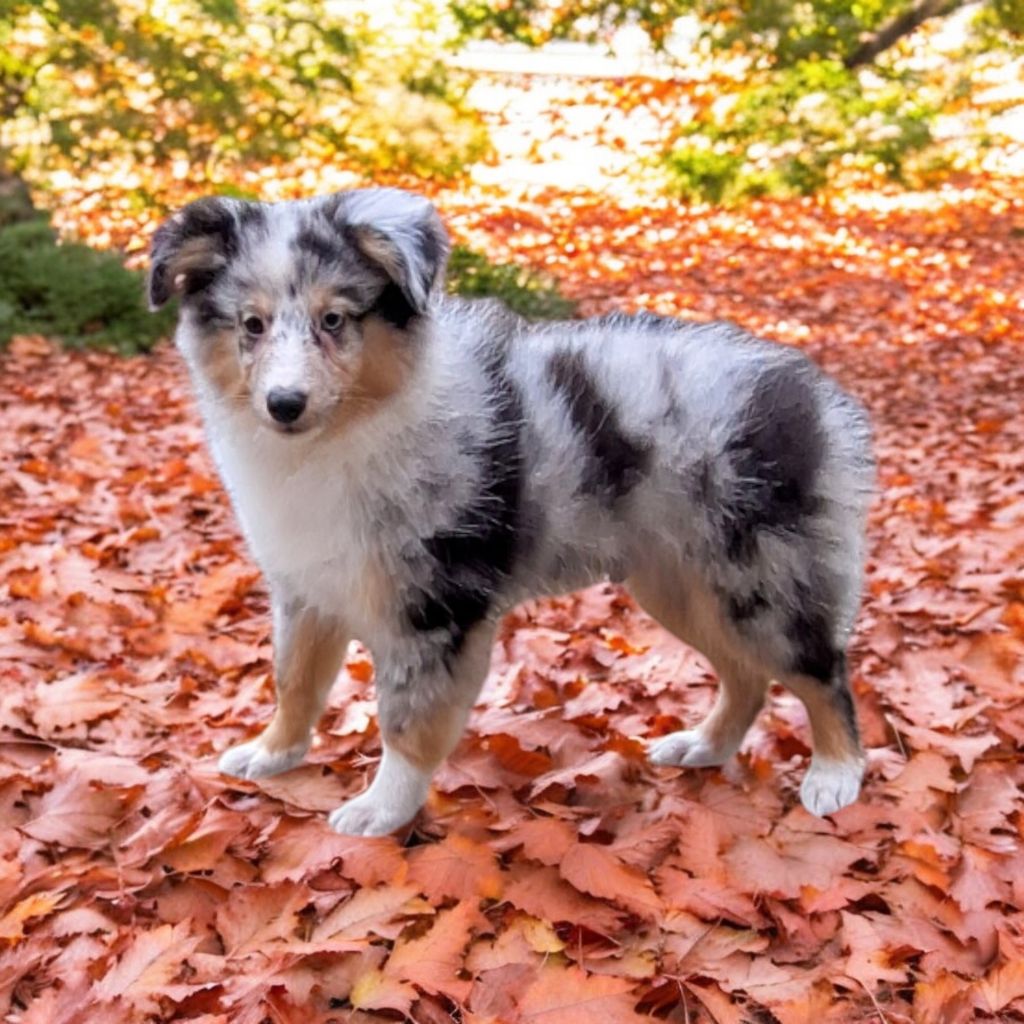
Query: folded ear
[402, 234]
[192, 248]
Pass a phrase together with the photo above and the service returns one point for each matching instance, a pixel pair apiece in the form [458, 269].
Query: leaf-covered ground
[554, 878]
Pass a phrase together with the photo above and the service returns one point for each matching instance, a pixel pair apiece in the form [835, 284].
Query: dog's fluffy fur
[449, 459]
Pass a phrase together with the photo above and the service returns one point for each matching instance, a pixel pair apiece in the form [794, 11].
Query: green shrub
[528, 293]
[701, 173]
[78, 295]
[796, 129]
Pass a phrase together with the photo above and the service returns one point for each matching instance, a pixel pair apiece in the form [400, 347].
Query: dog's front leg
[425, 693]
[308, 650]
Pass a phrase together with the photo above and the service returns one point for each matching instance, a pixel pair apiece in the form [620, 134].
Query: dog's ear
[401, 233]
[192, 248]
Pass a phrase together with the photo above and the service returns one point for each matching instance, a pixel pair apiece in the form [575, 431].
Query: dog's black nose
[285, 405]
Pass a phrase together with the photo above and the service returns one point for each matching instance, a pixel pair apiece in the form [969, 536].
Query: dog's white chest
[297, 515]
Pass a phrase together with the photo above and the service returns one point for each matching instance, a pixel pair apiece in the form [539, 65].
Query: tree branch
[902, 25]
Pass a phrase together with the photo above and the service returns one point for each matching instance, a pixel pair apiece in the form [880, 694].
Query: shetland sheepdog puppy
[408, 466]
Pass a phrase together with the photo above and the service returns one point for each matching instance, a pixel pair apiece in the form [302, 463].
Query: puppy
[407, 466]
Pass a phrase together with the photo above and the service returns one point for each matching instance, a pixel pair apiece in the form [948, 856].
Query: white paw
[368, 817]
[688, 748]
[830, 785]
[253, 761]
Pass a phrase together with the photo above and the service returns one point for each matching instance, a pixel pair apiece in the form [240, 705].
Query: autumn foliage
[555, 876]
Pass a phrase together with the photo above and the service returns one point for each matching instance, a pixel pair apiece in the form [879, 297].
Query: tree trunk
[902, 25]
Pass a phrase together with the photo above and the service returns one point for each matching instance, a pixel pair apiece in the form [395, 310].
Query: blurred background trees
[793, 94]
[82, 80]
[767, 97]
[785, 94]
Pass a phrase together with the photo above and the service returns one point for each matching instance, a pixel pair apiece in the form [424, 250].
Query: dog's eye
[331, 321]
[254, 324]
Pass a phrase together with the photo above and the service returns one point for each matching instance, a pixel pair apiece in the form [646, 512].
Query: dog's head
[306, 311]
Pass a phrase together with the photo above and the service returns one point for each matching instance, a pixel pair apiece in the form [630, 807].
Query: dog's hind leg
[837, 764]
[807, 628]
[742, 681]
[424, 699]
[308, 651]
[740, 697]
[796, 646]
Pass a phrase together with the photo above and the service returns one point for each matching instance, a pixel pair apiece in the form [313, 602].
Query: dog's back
[696, 441]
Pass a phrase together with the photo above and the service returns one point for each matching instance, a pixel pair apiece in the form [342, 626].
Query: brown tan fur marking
[310, 648]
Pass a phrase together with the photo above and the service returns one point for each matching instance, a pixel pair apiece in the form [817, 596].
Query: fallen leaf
[434, 959]
[40, 904]
[567, 995]
[257, 916]
[150, 962]
[596, 870]
[456, 867]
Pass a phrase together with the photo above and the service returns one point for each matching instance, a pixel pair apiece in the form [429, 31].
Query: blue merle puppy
[406, 467]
